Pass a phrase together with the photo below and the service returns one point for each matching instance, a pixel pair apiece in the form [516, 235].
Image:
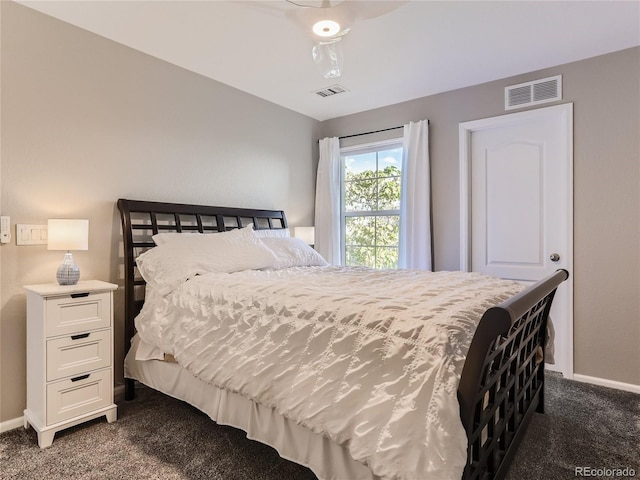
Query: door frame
[565, 113]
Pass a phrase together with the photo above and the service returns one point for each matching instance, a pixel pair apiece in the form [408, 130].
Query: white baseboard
[603, 382]
[118, 395]
[11, 424]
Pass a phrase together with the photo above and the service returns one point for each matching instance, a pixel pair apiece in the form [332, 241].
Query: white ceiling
[418, 48]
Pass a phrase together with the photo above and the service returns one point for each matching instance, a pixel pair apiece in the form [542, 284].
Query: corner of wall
[1, 6]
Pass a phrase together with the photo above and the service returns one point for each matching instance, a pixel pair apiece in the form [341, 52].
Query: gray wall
[605, 91]
[86, 121]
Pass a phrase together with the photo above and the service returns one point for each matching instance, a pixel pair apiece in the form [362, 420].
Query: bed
[499, 386]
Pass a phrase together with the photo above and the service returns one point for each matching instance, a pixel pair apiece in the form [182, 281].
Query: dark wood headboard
[141, 220]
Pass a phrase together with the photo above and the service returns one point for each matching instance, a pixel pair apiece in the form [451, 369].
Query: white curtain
[327, 221]
[415, 202]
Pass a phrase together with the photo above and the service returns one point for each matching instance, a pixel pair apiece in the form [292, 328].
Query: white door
[517, 209]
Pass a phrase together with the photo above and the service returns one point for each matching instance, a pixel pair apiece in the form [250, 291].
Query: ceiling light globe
[328, 57]
[326, 28]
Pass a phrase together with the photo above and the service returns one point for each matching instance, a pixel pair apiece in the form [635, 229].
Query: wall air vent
[333, 90]
[533, 93]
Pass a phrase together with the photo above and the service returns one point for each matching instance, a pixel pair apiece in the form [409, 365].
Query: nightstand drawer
[77, 313]
[79, 395]
[75, 354]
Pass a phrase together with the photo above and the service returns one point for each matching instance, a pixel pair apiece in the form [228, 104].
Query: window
[371, 184]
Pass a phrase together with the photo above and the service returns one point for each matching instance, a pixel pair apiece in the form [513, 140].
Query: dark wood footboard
[502, 382]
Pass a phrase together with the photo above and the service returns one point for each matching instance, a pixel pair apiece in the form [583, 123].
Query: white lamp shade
[306, 234]
[68, 234]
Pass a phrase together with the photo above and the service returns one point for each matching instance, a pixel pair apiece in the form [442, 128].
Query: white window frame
[358, 150]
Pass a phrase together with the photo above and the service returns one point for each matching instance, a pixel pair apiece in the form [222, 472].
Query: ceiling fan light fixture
[328, 57]
[326, 28]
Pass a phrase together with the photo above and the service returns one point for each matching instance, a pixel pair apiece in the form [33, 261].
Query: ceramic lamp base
[68, 272]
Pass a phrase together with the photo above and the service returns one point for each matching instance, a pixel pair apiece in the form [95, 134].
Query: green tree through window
[371, 205]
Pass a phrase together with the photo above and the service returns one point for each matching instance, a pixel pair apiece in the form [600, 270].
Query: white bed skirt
[294, 442]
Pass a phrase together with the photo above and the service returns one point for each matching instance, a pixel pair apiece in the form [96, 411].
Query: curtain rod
[369, 133]
[375, 131]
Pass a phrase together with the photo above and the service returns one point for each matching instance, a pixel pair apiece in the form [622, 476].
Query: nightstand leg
[26, 423]
[112, 415]
[45, 439]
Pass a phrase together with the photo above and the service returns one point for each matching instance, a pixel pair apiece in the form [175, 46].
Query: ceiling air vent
[533, 93]
[333, 90]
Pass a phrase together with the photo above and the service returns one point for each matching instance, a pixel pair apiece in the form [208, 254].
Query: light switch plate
[31, 234]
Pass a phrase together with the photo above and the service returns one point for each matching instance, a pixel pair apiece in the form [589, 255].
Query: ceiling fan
[328, 21]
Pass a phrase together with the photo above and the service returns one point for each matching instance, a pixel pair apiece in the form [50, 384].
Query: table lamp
[68, 234]
[306, 234]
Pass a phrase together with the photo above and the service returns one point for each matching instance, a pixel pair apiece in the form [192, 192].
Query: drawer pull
[81, 377]
[79, 336]
[79, 295]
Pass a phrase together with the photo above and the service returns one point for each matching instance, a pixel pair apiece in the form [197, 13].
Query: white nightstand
[69, 356]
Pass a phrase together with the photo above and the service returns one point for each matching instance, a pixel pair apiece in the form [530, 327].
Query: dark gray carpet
[157, 437]
[583, 426]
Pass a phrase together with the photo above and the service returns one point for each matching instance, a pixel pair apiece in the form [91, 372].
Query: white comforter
[371, 359]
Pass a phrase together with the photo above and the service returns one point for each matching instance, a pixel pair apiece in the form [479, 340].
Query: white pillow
[271, 233]
[293, 252]
[185, 256]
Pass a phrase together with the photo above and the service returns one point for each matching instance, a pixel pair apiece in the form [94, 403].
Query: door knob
[554, 257]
